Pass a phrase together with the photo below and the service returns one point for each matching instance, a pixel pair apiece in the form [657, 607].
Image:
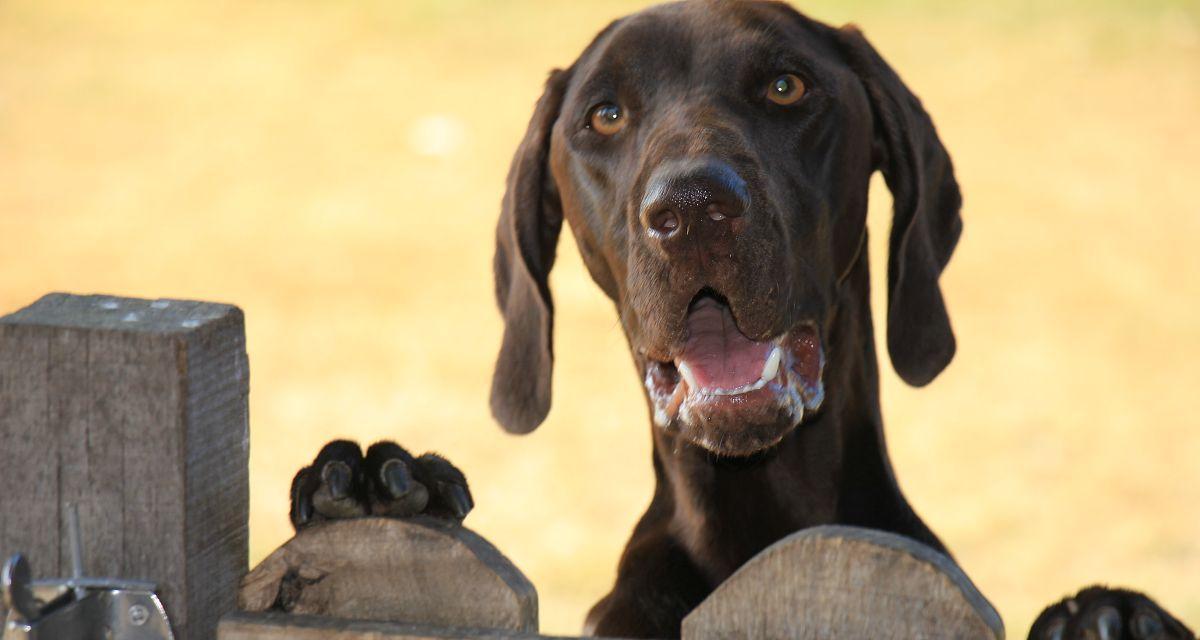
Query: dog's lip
[791, 377]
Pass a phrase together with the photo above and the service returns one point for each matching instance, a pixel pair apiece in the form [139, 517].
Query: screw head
[138, 614]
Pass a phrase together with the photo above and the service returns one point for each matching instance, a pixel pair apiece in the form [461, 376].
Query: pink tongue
[718, 354]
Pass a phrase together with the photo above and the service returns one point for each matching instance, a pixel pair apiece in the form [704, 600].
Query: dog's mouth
[732, 394]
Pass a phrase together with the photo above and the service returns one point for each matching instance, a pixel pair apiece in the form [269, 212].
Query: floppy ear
[526, 240]
[925, 221]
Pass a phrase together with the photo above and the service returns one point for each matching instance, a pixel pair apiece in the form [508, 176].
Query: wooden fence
[136, 411]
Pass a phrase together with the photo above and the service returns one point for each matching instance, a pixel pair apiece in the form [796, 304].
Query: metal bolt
[138, 615]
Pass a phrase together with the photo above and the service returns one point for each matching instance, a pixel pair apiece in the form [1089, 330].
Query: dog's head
[713, 161]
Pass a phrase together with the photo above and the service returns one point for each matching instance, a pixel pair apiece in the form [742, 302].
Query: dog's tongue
[717, 354]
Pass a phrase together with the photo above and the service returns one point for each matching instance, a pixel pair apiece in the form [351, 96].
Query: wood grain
[136, 410]
[845, 582]
[417, 571]
[273, 625]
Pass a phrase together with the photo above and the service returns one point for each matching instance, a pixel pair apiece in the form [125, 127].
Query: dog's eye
[606, 119]
[786, 89]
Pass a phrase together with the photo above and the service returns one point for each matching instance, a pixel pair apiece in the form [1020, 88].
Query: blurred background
[335, 169]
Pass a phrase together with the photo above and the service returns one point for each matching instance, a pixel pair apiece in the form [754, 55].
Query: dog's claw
[1054, 629]
[1108, 623]
[451, 496]
[457, 498]
[302, 515]
[395, 491]
[337, 476]
[1148, 625]
[302, 508]
[396, 478]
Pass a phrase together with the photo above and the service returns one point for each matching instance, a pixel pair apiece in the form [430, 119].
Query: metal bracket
[79, 608]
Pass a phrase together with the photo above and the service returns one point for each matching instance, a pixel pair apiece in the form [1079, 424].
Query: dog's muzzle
[723, 380]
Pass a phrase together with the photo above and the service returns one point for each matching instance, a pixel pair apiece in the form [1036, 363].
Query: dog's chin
[738, 426]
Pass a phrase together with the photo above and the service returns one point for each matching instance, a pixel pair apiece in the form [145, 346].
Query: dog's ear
[925, 221]
[526, 240]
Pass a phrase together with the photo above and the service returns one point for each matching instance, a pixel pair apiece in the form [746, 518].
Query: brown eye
[786, 89]
[606, 119]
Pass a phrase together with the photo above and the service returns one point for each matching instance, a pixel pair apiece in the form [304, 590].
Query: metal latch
[79, 608]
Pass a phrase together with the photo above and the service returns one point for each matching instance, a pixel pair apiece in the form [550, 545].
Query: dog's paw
[1100, 613]
[401, 486]
[388, 481]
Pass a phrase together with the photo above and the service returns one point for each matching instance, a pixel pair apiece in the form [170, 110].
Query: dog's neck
[833, 468]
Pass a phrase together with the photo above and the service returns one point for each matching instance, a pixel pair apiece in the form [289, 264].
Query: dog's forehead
[709, 39]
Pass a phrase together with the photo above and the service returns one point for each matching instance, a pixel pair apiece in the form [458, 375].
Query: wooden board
[136, 410]
[273, 625]
[845, 582]
[418, 571]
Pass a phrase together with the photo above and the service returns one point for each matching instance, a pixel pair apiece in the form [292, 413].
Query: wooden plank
[418, 571]
[845, 582]
[137, 411]
[274, 625]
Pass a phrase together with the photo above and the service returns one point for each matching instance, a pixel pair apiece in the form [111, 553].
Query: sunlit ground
[334, 168]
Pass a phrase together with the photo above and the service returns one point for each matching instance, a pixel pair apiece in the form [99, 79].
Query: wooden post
[135, 410]
[421, 571]
[845, 582]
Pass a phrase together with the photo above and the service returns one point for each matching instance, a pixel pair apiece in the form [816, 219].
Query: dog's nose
[683, 194]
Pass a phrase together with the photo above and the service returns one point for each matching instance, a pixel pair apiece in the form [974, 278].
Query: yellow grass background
[334, 168]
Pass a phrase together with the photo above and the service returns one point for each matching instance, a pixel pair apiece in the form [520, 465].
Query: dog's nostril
[665, 222]
[715, 213]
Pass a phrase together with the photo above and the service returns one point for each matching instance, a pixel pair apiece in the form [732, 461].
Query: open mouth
[725, 380]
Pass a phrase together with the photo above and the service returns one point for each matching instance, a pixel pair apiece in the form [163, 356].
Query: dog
[712, 160]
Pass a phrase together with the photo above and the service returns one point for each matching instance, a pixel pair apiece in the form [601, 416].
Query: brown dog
[713, 161]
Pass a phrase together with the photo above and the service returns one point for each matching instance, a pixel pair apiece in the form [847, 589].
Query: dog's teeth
[771, 367]
[686, 373]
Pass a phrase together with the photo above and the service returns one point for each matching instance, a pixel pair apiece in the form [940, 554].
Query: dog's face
[713, 160]
[702, 154]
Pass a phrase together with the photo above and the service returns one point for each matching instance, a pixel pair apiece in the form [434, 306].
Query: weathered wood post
[423, 573]
[846, 582]
[136, 410]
